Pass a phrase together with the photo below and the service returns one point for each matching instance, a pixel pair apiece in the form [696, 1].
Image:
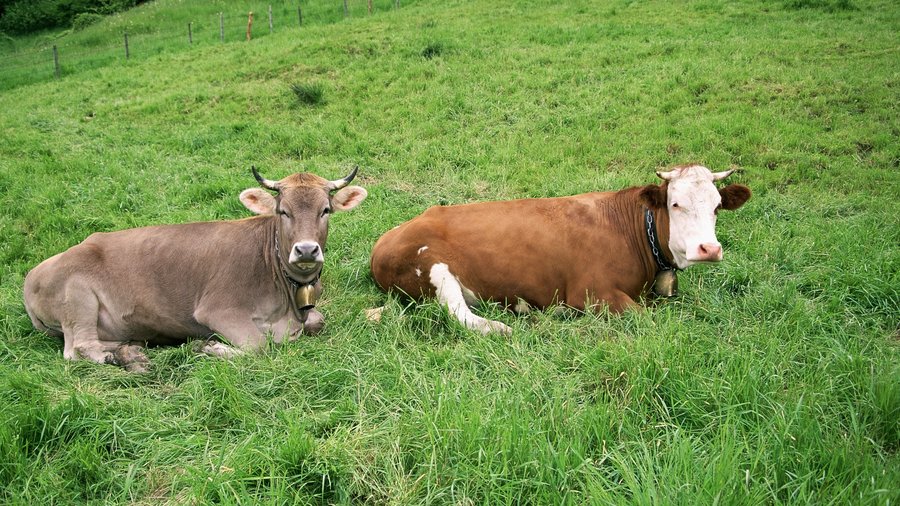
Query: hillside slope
[774, 377]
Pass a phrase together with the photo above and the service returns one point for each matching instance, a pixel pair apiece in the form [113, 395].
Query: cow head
[693, 201]
[301, 207]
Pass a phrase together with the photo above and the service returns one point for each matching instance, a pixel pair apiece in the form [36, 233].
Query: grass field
[773, 378]
[161, 28]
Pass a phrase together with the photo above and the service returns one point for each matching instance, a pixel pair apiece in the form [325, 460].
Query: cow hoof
[504, 329]
[132, 359]
[138, 367]
[198, 345]
[497, 327]
[110, 359]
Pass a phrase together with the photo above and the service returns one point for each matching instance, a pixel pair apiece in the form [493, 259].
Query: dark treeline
[25, 16]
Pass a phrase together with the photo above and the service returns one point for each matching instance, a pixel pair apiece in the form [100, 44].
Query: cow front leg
[289, 327]
[81, 336]
[128, 356]
[242, 337]
[314, 322]
[616, 301]
[621, 302]
[239, 330]
[95, 350]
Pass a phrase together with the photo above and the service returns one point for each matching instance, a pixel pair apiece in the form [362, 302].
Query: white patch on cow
[418, 272]
[692, 202]
[423, 248]
[449, 292]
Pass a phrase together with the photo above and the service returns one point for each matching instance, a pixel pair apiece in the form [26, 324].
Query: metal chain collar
[653, 239]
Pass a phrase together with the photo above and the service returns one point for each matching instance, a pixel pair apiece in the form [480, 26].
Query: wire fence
[55, 60]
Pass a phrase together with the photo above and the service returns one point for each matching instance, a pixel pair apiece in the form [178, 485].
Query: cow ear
[734, 196]
[349, 197]
[258, 200]
[654, 196]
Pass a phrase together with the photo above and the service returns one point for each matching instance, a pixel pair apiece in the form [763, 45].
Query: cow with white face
[584, 251]
[693, 204]
[241, 280]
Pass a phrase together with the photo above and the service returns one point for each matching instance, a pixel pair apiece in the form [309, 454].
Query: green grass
[309, 94]
[773, 378]
[159, 28]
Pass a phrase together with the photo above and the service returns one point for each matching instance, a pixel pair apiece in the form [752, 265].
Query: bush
[84, 20]
[24, 16]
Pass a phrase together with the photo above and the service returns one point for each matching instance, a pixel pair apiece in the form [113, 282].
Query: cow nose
[306, 251]
[710, 251]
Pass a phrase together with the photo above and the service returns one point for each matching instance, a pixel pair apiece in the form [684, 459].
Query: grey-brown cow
[241, 279]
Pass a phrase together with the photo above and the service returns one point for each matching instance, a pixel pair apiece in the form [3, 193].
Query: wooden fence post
[56, 61]
[249, 24]
[370, 6]
[300, 14]
[346, 10]
[127, 54]
[221, 28]
[190, 34]
[270, 19]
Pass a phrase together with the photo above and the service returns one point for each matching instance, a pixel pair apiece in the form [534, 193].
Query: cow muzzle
[306, 257]
[706, 252]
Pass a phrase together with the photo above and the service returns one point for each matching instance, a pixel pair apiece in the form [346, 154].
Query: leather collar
[296, 290]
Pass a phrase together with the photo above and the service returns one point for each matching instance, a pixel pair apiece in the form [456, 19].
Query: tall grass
[773, 378]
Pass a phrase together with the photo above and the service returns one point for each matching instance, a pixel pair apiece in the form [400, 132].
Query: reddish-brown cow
[594, 248]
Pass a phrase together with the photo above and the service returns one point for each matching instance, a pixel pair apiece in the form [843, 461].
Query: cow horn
[665, 175]
[337, 184]
[271, 185]
[718, 176]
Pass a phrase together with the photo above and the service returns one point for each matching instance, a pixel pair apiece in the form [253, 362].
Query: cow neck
[657, 242]
[290, 287]
[665, 280]
[624, 210]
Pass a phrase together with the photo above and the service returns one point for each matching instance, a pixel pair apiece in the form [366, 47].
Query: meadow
[773, 378]
[157, 28]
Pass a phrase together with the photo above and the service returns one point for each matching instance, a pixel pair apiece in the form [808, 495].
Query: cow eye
[326, 211]
[284, 213]
[674, 204]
